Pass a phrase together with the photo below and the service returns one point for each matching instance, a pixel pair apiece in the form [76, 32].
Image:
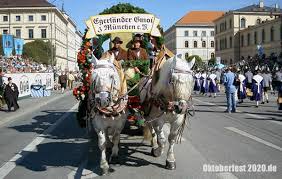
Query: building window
[249, 39]
[262, 36]
[18, 33]
[272, 33]
[212, 33]
[43, 18]
[195, 44]
[30, 18]
[212, 55]
[212, 44]
[230, 42]
[242, 40]
[230, 23]
[204, 33]
[186, 44]
[243, 23]
[186, 55]
[5, 18]
[186, 33]
[258, 21]
[43, 33]
[203, 44]
[216, 45]
[30, 33]
[5, 31]
[195, 33]
[18, 18]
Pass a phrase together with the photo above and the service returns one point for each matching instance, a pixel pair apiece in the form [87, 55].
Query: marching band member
[197, 77]
[257, 87]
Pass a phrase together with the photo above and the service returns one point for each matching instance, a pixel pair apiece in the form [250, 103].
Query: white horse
[107, 107]
[169, 96]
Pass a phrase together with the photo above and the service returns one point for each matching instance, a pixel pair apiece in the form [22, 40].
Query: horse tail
[147, 132]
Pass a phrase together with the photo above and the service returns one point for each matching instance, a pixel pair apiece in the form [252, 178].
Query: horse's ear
[112, 58]
[191, 63]
[94, 60]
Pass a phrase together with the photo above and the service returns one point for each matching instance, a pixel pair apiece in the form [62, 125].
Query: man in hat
[119, 53]
[11, 95]
[137, 52]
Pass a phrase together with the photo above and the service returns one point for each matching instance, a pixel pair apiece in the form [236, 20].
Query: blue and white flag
[260, 50]
[19, 46]
[8, 44]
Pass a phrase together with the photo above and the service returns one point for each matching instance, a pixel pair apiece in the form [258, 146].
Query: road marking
[14, 117]
[12, 163]
[251, 115]
[253, 137]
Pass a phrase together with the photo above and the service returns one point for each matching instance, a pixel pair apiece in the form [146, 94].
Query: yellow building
[229, 28]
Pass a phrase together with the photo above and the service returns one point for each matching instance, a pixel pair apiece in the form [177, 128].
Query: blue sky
[169, 11]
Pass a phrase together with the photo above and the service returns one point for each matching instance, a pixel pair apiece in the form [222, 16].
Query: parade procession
[140, 89]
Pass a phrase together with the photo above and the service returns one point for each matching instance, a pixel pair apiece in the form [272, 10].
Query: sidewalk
[28, 105]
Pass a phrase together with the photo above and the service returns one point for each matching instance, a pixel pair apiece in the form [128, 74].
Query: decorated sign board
[118, 23]
[25, 80]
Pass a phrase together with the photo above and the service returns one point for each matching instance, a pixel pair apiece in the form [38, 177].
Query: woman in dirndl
[242, 88]
[204, 83]
[212, 85]
[197, 85]
[257, 87]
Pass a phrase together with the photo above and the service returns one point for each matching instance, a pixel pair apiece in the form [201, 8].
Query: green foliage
[212, 62]
[38, 51]
[123, 8]
[198, 61]
[142, 65]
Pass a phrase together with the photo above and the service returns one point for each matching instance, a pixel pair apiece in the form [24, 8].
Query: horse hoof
[170, 165]
[105, 171]
[114, 160]
[156, 152]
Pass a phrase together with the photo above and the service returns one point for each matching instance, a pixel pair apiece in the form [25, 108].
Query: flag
[8, 44]
[19, 46]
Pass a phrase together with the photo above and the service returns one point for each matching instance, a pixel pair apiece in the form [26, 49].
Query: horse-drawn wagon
[146, 82]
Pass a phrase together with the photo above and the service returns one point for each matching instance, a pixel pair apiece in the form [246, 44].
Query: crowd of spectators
[22, 65]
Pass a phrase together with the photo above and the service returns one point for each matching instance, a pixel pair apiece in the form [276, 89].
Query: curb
[15, 116]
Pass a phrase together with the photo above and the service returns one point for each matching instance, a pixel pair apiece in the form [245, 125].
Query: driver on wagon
[137, 52]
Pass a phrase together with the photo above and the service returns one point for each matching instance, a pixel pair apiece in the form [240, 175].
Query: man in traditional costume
[197, 85]
[137, 52]
[11, 95]
[204, 83]
[212, 85]
[119, 53]
[267, 81]
[257, 87]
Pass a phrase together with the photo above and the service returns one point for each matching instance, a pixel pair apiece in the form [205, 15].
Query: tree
[38, 51]
[212, 62]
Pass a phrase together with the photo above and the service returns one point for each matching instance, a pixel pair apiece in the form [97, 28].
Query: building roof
[25, 3]
[199, 17]
[256, 8]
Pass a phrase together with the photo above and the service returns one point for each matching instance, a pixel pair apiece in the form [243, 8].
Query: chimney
[261, 4]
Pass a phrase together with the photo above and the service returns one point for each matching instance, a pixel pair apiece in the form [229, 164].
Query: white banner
[25, 80]
[127, 22]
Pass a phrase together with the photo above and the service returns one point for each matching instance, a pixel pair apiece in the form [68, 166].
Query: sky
[169, 11]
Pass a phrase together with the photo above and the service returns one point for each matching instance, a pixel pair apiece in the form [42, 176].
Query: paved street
[42, 140]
